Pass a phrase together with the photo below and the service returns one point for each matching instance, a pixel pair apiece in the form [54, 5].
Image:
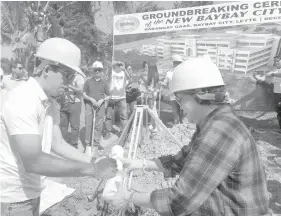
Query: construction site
[238, 55]
[264, 128]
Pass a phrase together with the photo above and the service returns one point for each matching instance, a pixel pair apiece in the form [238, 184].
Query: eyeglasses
[180, 95]
[66, 72]
[97, 69]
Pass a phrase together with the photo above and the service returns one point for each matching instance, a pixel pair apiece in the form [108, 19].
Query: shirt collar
[97, 80]
[215, 112]
[38, 90]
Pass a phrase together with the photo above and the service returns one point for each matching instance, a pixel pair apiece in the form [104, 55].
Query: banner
[229, 14]
[241, 38]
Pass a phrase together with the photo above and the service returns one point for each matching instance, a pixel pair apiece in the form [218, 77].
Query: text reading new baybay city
[213, 13]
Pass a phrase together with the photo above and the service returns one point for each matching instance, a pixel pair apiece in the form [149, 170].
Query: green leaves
[186, 4]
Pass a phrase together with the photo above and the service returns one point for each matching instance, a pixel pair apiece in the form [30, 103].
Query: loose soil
[77, 204]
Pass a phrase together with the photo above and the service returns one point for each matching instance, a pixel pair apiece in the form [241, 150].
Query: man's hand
[107, 98]
[131, 164]
[120, 200]
[95, 104]
[100, 102]
[106, 167]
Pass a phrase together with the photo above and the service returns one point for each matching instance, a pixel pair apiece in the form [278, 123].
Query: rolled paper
[117, 151]
[110, 188]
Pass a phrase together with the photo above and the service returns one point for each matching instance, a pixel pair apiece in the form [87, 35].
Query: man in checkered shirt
[220, 171]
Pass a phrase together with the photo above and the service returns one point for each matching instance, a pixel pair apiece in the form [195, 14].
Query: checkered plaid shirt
[220, 172]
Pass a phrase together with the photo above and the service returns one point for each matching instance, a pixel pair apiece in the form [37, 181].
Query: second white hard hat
[196, 73]
[97, 64]
[61, 51]
[177, 58]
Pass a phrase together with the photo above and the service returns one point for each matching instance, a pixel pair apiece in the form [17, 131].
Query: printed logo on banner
[127, 24]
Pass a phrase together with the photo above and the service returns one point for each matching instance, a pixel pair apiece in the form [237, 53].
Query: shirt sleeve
[106, 88]
[212, 158]
[173, 164]
[86, 87]
[79, 80]
[22, 119]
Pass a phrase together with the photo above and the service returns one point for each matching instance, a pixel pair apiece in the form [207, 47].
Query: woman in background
[152, 88]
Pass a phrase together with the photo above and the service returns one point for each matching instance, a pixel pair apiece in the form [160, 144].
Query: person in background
[152, 88]
[95, 94]
[118, 84]
[70, 110]
[132, 92]
[14, 75]
[220, 171]
[177, 114]
[29, 133]
[277, 89]
[273, 79]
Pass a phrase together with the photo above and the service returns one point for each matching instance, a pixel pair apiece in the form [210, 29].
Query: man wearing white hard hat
[95, 94]
[29, 133]
[177, 117]
[71, 103]
[220, 170]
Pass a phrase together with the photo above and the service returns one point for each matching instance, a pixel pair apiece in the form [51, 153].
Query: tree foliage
[28, 22]
[186, 4]
[14, 22]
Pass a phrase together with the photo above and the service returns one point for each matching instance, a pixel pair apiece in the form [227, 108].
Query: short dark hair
[37, 63]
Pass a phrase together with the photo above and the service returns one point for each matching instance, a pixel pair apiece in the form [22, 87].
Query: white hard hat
[61, 51]
[177, 58]
[196, 73]
[97, 64]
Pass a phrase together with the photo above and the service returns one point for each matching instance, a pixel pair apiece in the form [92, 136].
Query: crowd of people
[107, 94]
[220, 171]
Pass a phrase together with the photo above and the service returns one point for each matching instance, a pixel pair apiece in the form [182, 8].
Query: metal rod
[124, 133]
[137, 111]
[133, 132]
[159, 101]
[146, 119]
[93, 131]
[164, 127]
[136, 145]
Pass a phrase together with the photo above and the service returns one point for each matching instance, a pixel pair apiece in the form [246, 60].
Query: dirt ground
[269, 143]
[264, 128]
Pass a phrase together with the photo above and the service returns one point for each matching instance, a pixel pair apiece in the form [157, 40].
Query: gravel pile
[162, 144]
